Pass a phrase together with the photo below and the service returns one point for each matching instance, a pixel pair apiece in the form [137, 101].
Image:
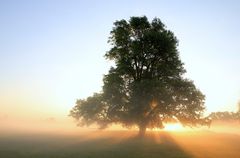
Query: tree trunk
[142, 130]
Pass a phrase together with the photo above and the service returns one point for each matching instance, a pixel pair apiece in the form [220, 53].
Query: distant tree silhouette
[238, 106]
[223, 116]
[226, 115]
[146, 87]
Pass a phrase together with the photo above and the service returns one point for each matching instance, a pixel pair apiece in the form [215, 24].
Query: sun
[173, 127]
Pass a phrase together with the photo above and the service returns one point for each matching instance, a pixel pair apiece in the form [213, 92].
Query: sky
[51, 51]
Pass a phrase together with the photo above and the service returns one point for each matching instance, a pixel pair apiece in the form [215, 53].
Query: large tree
[146, 87]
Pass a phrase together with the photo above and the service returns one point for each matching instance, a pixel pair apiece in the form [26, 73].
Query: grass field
[120, 144]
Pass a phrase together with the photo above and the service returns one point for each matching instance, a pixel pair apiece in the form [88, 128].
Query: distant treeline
[225, 116]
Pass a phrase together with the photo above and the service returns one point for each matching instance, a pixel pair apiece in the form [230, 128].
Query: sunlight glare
[173, 127]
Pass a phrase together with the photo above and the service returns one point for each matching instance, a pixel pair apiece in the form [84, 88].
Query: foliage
[225, 116]
[146, 86]
[238, 106]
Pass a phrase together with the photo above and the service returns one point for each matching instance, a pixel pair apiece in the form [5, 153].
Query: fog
[68, 126]
[231, 127]
[49, 125]
[52, 137]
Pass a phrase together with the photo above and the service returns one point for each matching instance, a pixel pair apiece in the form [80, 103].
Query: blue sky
[51, 52]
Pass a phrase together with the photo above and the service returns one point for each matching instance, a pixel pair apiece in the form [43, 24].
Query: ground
[120, 144]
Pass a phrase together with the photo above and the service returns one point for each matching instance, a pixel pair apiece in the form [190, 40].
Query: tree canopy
[146, 87]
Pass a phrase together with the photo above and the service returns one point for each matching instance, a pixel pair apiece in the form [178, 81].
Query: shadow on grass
[114, 145]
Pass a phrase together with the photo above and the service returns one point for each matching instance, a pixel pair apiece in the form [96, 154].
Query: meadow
[120, 144]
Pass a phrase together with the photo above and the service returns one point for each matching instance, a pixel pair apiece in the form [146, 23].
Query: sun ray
[174, 127]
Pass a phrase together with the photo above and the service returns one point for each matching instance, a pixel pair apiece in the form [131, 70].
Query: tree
[238, 106]
[146, 87]
[226, 115]
[223, 116]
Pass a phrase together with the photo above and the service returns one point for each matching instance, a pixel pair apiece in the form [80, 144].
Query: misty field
[124, 144]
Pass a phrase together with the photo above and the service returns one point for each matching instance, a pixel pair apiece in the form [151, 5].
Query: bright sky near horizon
[51, 52]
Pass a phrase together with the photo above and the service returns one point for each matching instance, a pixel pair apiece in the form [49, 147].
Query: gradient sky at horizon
[51, 52]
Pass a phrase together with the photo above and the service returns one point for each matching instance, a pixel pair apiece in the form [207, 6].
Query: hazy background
[51, 53]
